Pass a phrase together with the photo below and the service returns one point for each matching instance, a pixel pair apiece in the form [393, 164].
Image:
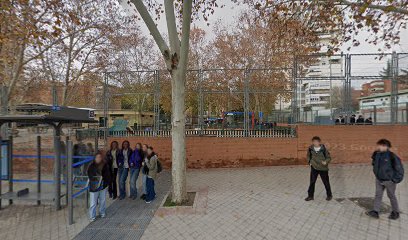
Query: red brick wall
[28, 165]
[347, 144]
[354, 144]
[206, 152]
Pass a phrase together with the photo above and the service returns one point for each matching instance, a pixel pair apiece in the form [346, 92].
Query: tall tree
[175, 56]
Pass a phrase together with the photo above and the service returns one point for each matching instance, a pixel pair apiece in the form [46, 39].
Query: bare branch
[385, 8]
[154, 31]
[171, 27]
[185, 37]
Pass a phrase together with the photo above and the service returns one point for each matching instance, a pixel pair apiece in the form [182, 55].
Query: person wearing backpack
[389, 171]
[99, 179]
[150, 168]
[135, 163]
[318, 158]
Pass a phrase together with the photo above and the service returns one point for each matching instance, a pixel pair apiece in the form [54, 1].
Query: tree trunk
[67, 71]
[179, 192]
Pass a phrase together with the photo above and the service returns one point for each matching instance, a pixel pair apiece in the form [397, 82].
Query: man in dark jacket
[360, 120]
[353, 119]
[318, 158]
[388, 171]
[99, 180]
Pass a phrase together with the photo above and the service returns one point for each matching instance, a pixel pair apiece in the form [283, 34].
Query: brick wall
[354, 144]
[206, 152]
[29, 165]
[347, 144]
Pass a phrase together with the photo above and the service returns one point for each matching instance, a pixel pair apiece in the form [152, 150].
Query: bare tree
[175, 56]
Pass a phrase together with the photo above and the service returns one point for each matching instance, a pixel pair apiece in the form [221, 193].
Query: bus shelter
[54, 116]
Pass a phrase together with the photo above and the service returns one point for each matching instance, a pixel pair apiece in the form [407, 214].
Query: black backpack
[159, 166]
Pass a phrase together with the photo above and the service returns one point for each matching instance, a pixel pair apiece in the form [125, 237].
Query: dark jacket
[94, 172]
[360, 120]
[145, 170]
[121, 160]
[109, 157]
[316, 159]
[387, 166]
[135, 161]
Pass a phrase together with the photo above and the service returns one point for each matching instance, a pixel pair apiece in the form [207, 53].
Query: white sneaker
[103, 216]
[148, 201]
[92, 219]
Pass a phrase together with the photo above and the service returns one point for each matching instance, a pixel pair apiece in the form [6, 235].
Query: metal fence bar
[39, 169]
[69, 184]
[280, 132]
[10, 166]
[394, 89]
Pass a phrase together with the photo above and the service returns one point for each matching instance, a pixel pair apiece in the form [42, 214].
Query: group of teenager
[109, 170]
[387, 168]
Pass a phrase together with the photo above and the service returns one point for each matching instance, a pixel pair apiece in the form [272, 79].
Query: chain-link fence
[351, 89]
[317, 89]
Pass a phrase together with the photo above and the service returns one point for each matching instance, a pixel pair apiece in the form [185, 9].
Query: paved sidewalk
[26, 220]
[268, 203]
[250, 203]
[127, 219]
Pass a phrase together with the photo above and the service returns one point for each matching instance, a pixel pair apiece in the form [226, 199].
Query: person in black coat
[360, 119]
[112, 157]
[369, 121]
[388, 171]
[99, 180]
[353, 119]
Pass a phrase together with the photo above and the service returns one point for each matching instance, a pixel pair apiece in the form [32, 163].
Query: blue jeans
[151, 194]
[123, 174]
[144, 183]
[95, 199]
[134, 174]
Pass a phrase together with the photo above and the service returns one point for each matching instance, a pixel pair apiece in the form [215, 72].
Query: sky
[229, 13]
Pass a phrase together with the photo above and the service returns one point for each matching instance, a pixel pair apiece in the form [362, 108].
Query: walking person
[144, 174]
[135, 163]
[389, 171]
[112, 156]
[99, 180]
[123, 167]
[318, 158]
[150, 163]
